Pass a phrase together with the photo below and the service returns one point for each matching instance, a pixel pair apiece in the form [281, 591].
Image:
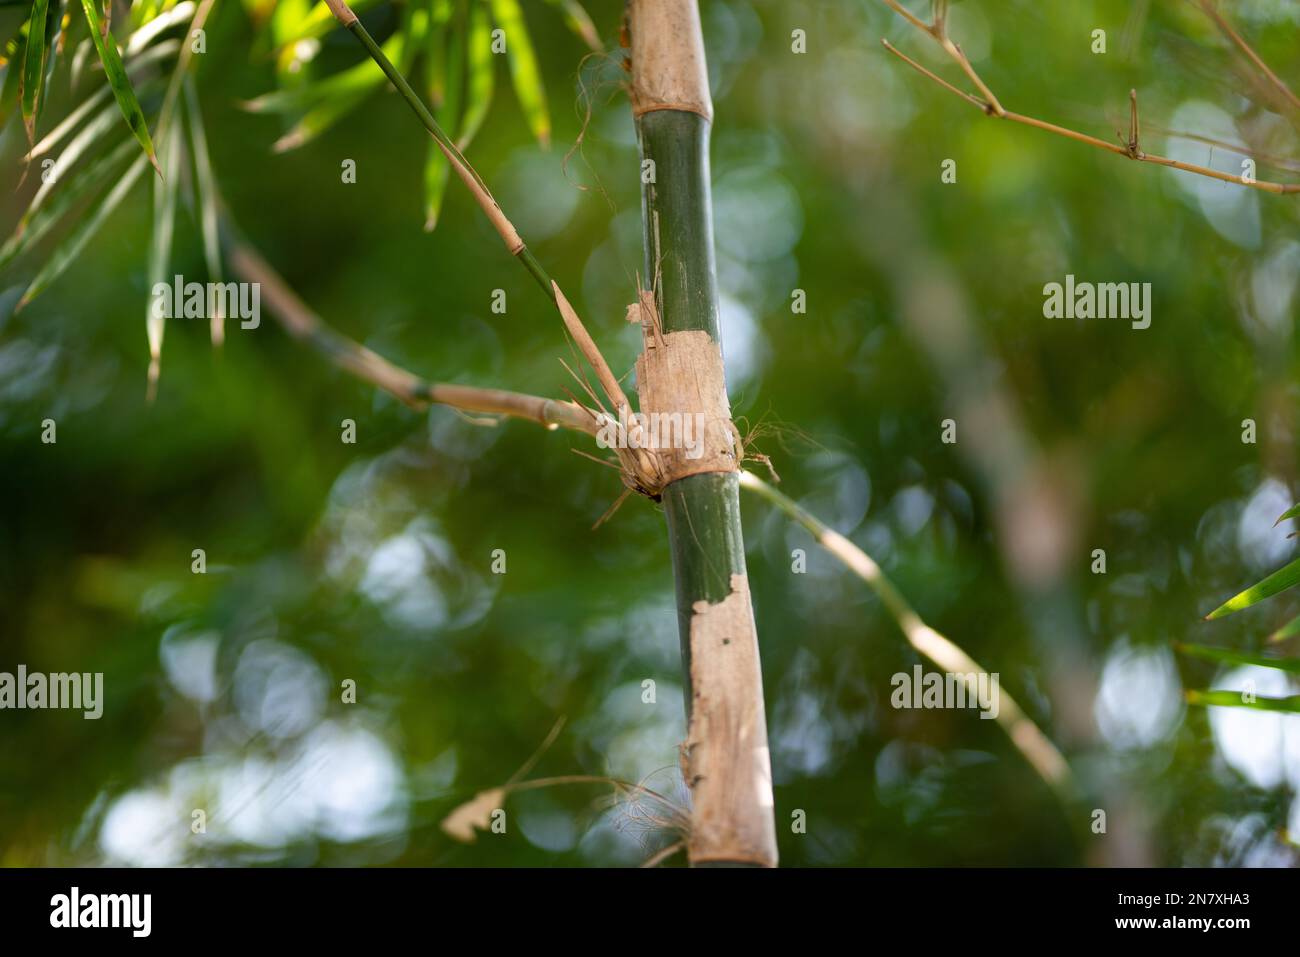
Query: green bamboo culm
[726, 755]
[733, 821]
[680, 200]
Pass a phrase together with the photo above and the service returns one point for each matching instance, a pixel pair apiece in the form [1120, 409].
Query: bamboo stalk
[1028, 738]
[725, 758]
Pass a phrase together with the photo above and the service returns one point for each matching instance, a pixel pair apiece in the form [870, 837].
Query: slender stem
[478, 188]
[990, 106]
[1028, 738]
[1226, 28]
[303, 324]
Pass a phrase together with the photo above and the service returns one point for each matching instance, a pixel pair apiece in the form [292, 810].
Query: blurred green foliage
[372, 562]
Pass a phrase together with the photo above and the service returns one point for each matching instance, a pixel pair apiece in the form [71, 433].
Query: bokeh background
[372, 562]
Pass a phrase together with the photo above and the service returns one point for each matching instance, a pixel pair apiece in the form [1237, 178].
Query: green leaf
[524, 74]
[481, 81]
[71, 247]
[141, 39]
[34, 65]
[1291, 512]
[436, 50]
[1229, 656]
[206, 185]
[1290, 629]
[331, 99]
[1234, 699]
[1279, 581]
[579, 22]
[142, 11]
[106, 47]
[16, 51]
[36, 224]
[160, 248]
[309, 26]
[101, 95]
[447, 57]
[88, 136]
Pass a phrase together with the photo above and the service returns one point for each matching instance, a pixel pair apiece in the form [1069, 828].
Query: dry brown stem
[989, 104]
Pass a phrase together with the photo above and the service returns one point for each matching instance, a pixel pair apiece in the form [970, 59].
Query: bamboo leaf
[1279, 581]
[34, 226]
[34, 65]
[1290, 629]
[16, 50]
[72, 246]
[312, 25]
[207, 201]
[524, 74]
[579, 22]
[481, 80]
[65, 28]
[139, 39]
[101, 95]
[1291, 512]
[88, 136]
[436, 51]
[447, 57]
[160, 250]
[1235, 699]
[80, 59]
[1230, 656]
[463, 823]
[317, 120]
[331, 99]
[106, 47]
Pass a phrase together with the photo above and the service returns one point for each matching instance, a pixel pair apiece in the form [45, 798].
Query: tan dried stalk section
[726, 757]
[668, 67]
[678, 375]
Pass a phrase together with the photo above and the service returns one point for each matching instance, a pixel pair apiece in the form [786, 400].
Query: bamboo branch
[990, 106]
[1028, 738]
[1220, 21]
[352, 357]
[641, 465]
[491, 209]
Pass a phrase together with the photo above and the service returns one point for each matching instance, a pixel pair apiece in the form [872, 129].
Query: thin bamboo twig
[991, 107]
[1220, 21]
[1028, 738]
[1267, 159]
[368, 366]
[939, 31]
[478, 188]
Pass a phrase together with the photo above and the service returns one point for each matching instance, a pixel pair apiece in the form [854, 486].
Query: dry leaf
[462, 823]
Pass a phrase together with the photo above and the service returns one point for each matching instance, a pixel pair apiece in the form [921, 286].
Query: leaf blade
[37, 223]
[525, 75]
[481, 83]
[160, 250]
[579, 21]
[1289, 630]
[1234, 699]
[446, 64]
[71, 247]
[1282, 579]
[206, 188]
[106, 47]
[34, 66]
[1230, 656]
